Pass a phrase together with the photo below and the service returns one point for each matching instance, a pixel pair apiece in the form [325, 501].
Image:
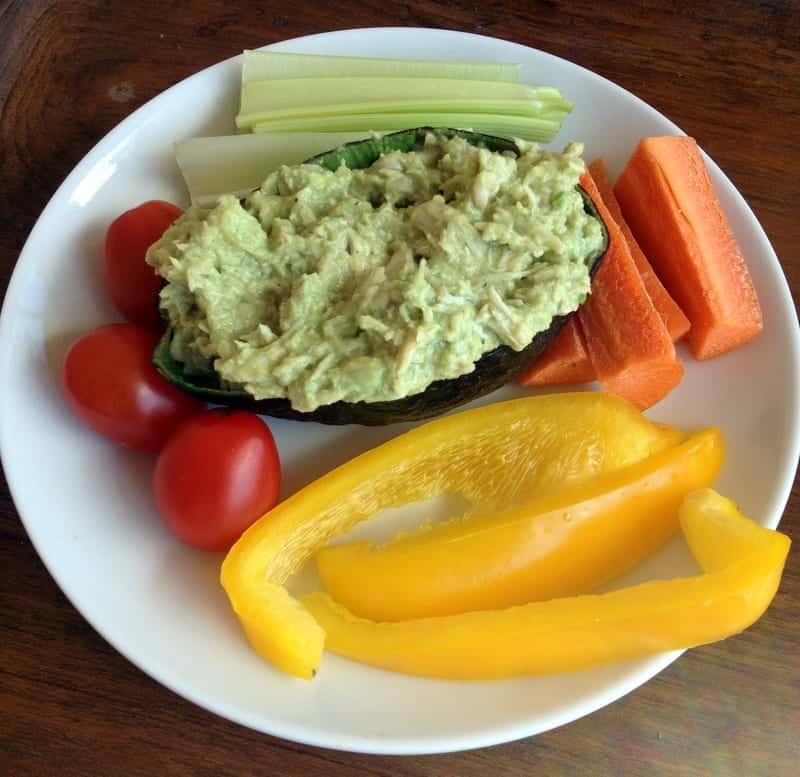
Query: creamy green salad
[368, 285]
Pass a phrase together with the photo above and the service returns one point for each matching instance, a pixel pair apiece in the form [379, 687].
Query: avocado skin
[493, 370]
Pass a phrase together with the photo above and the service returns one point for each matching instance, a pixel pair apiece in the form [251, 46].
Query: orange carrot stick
[667, 197]
[565, 360]
[676, 322]
[628, 343]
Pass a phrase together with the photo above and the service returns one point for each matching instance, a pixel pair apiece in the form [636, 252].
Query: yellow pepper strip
[568, 542]
[742, 562]
[494, 456]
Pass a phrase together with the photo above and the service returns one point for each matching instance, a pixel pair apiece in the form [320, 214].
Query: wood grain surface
[727, 72]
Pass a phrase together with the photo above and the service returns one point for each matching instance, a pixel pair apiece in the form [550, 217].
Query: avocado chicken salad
[367, 285]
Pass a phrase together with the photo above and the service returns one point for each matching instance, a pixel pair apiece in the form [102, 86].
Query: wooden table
[69, 71]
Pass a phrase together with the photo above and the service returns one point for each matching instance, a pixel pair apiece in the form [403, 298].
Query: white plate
[87, 506]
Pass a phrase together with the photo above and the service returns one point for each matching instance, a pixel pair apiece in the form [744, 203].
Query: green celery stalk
[530, 108]
[262, 65]
[525, 127]
[303, 93]
[237, 164]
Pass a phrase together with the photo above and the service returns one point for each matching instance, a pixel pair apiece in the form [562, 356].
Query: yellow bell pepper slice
[742, 562]
[567, 542]
[494, 456]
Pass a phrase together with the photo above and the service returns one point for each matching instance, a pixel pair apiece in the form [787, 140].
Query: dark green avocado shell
[493, 370]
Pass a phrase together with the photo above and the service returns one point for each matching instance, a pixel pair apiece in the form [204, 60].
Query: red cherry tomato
[109, 381]
[132, 283]
[215, 476]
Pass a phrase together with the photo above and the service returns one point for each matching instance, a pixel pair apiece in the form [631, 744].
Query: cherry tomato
[215, 476]
[132, 283]
[109, 381]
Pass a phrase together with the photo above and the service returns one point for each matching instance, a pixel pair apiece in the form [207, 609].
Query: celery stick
[303, 93]
[260, 65]
[236, 164]
[532, 108]
[525, 127]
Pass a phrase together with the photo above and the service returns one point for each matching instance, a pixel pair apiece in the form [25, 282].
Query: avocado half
[493, 370]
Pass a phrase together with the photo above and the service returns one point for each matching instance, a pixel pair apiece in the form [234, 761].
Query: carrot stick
[628, 343]
[667, 197]
[565, 360]
[674, 318]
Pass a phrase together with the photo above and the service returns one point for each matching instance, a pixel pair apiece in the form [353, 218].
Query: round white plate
[87, 507]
